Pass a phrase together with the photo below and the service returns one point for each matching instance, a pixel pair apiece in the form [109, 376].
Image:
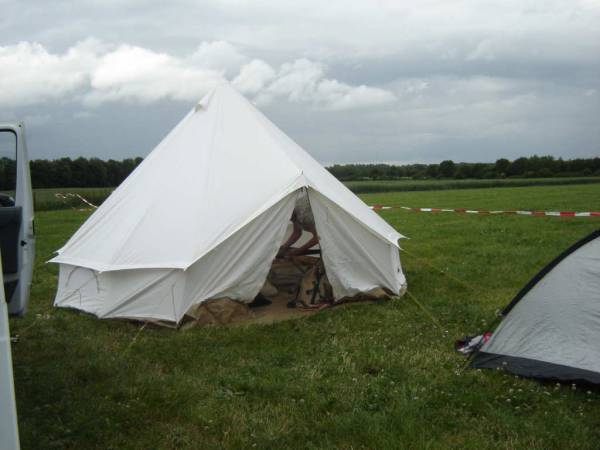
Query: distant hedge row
[94, 172]
[524, 167]
[67, 172]
[80, 172]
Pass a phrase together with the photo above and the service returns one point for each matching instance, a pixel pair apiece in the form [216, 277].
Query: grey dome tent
[551, 329]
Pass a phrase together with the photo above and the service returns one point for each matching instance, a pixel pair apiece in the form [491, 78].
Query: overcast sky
[350, 81]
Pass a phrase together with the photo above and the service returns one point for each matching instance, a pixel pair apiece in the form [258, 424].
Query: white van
[17, 232]
[17, 247]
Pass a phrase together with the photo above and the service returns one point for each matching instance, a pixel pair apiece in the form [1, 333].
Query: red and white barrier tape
[69, 195]
[489, 212]
[65, 197]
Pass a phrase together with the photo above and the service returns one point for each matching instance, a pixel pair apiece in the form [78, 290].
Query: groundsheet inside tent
[203, 217]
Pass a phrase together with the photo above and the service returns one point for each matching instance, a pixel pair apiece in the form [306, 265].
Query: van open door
[9, 427]
[17, 232]
[17, 248]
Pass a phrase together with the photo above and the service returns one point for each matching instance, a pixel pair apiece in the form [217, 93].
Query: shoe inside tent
[202, 218]
[551, 329]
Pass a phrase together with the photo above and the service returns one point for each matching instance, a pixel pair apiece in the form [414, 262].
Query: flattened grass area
[368, 375]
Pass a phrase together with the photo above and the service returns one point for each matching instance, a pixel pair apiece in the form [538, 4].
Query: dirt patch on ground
[225, 311]
[281, 288]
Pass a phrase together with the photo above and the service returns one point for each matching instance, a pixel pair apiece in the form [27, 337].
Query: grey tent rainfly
[203, 216]
[551, 329]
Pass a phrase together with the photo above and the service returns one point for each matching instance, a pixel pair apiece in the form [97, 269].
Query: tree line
[95, 172]
[67, 172]
[524, 167]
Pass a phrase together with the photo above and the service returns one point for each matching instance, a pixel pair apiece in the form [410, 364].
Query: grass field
[376, 186]
[368, 375]
[46, 199]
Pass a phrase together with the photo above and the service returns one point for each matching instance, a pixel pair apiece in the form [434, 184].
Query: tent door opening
[297, 273]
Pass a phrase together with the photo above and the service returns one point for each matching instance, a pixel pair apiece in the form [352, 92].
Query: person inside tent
[302, 220]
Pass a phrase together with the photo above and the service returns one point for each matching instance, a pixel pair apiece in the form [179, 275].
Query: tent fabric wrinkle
[202, 217]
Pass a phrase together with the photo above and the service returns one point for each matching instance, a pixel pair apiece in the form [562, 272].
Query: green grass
[363, 187]
[368, 375]
[47, 200]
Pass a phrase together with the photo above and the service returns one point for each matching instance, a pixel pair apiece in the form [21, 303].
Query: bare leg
[304, 249]
[296, 233]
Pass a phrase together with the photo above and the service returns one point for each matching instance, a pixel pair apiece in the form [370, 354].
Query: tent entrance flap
[356, 260]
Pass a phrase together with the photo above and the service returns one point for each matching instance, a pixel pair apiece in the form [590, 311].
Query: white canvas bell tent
[551, 329]
[203, 216]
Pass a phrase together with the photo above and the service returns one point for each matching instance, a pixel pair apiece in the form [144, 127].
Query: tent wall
[99, 292]
[237, 269]
[356, 259]
[555, 327]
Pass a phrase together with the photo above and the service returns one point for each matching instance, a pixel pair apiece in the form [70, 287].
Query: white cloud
[219, 56]
[137, 74]
[29, 74]
[254, 76]
[95, 73]
[304, 81]
[298, 80]
[337, 96]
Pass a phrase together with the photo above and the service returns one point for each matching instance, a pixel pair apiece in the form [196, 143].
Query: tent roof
[220, 167]
[547, 268]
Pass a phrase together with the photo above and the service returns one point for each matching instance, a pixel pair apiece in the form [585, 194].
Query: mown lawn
[369, 375]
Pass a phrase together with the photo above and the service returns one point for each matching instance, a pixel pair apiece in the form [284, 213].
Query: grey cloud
[467, 80]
